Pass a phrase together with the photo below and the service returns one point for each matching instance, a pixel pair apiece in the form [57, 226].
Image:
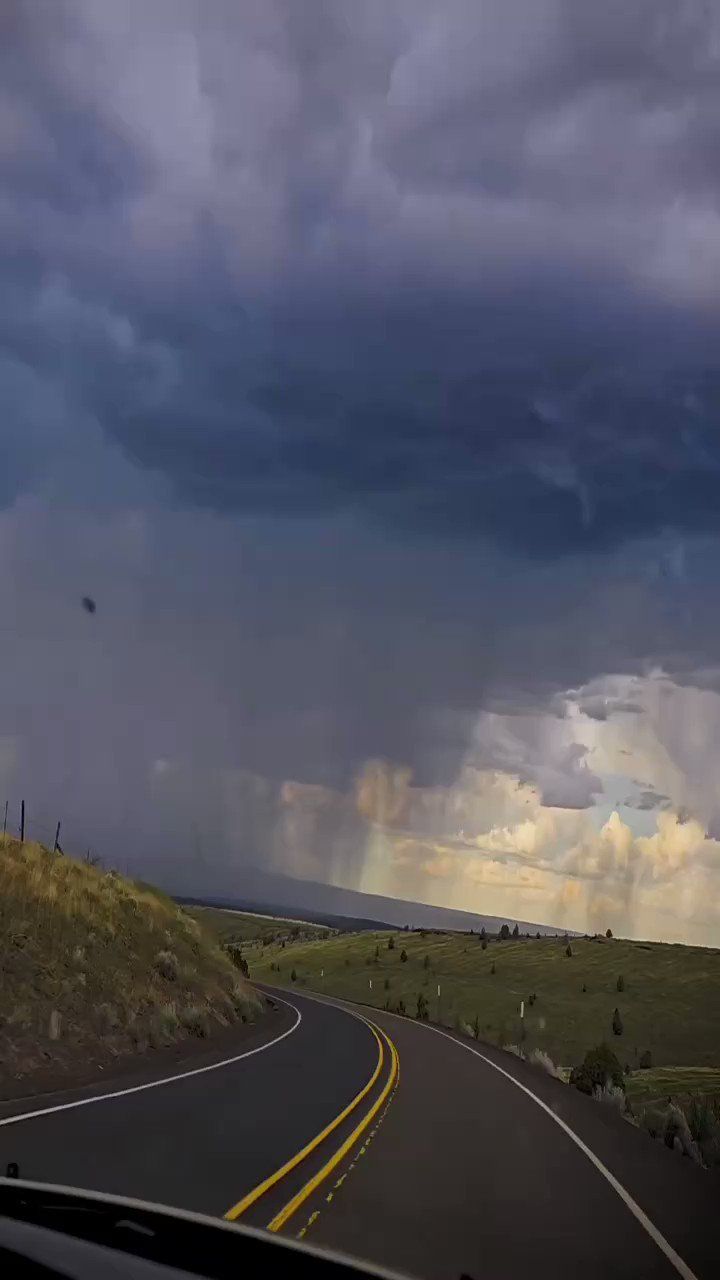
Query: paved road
[471, 1176]
[202, 1142]
[455, 1171]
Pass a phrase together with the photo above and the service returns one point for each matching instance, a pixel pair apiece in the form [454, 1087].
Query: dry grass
[95, 965]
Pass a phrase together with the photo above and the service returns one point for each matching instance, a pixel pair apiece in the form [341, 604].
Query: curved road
[456, 1170]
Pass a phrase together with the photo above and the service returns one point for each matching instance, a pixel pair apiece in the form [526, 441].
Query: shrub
[620, 984]
[403, 956]
[195, 1021]
[422, 1008]
[652, 1120]
[293, 976]
[532, 998]
[476, 1026]
[568, 950]
[611, 1095]
[677, 1134]
[617, 1023]
[702, 1120]
[542, 1059]
[608, 933]
[166, 965]
[583, 988]
[599, 1067]
[483, 944]
[246, 1002]
[401, 1007]
[504, 931]
[492, 967]
[237, 957]
[645, 1060]
[165, 1024]
[391, 943]
[516, 932]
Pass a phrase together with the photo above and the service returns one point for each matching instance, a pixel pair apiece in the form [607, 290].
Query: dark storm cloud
[428, 280]
[438, 279]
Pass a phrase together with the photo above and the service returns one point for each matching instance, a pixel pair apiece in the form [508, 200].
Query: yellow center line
[293, 1205]
[262, 1187]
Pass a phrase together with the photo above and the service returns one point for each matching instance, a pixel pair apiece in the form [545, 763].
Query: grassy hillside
[670, 1005]
[244, 926]
[95, 966]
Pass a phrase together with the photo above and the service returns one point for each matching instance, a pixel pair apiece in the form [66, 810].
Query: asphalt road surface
[433, 1161]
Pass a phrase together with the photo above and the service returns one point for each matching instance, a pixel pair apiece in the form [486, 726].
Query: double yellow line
[313, 1183]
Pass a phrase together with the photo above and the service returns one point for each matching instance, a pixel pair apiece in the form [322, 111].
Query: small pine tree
[492, 967]
[608, 933]
[401, 1006]
[293, 976]
[403, 955]
[617, 1024]
[504, 931]
[282, 944]
[426, 962]
[377, 953]
[537, 935]
[483, 944]
[584, 988]
[568, 950]
[645, 1060]
[532, 997]
[620, 984]
[482, 932]
[391, 943]
[422, 1008]
[476, 1026]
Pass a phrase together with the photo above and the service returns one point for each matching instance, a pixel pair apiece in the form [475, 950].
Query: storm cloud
[360, 363]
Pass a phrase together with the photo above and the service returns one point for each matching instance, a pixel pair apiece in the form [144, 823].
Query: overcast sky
[361, 362]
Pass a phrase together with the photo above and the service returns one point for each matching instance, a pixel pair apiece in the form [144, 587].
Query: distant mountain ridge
[273, 894]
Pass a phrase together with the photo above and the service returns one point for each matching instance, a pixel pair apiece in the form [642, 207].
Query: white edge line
[655, 1234]
[155, 1084]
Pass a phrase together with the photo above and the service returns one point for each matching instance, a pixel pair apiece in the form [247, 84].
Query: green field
[679, 1083]
[244, 926]
[670, 1005]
